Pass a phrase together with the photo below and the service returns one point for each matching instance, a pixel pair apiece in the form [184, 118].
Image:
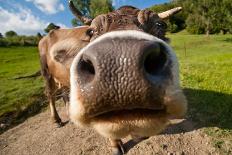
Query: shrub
[20, 41]
[10, 34]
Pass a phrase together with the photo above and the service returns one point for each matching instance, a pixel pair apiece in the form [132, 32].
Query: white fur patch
[76, 108]
[146, 128]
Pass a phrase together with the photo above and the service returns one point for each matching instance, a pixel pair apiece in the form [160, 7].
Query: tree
[1, 36]
[91, 8]
[50, 27]
[39, 35]
[83, 6]
[75, 22]
[208, 16]
[10, 34]
[224, 16]
[98, 7]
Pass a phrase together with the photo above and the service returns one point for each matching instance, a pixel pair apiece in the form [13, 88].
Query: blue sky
[31, 16]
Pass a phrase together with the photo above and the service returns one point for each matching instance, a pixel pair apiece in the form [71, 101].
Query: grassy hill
[206, 76]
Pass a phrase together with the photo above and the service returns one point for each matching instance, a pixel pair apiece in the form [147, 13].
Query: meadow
[206, 77]
[18, 95]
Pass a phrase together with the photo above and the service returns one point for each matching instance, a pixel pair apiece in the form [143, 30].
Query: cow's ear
[63, 57]
[147, 17]
[60, 56]
[65, 50]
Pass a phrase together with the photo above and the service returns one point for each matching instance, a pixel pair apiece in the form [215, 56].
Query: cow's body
[57, 51]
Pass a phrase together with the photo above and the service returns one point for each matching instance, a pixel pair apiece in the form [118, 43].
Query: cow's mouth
[131, 114]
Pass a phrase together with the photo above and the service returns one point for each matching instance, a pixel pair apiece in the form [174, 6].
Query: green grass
[206, 75]
[17, 95]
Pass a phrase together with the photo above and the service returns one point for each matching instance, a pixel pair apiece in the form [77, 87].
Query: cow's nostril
[85, 69]
[155, 60]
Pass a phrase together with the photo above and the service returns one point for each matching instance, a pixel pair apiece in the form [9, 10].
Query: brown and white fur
[106, 96]
[56, 51]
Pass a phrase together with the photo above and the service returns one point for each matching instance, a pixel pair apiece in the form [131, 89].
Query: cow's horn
[78, 14]
[169, 13]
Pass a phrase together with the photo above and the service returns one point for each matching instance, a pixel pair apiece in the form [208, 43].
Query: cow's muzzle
[121, 73]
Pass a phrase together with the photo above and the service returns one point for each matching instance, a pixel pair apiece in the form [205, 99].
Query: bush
[10, 34]
[173, 28]
[195, 25]
[3, 42]
[20, 41]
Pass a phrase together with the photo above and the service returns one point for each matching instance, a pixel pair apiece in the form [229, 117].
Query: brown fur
[56, 58]
[129, 18]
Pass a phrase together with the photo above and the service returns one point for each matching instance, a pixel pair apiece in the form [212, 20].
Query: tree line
[200, 16]
[11, 38]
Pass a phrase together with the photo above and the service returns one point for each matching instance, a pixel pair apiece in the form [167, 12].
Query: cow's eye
[161, 24]
[90, 32]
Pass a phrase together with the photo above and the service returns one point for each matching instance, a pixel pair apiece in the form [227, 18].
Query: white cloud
[114, 3]
[48, 6]
[21, 21]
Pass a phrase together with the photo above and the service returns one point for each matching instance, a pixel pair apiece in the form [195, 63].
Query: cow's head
[125, 81]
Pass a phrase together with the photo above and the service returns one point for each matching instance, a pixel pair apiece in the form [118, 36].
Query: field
[206, 76]
[17, 96]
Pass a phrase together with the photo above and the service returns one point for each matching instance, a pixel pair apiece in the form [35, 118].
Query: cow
[125, 82]
[56, 51]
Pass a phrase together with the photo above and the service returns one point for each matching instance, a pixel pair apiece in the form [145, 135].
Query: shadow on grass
[205, 109]
[14, 118]
[210, 108]
[228, 40]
